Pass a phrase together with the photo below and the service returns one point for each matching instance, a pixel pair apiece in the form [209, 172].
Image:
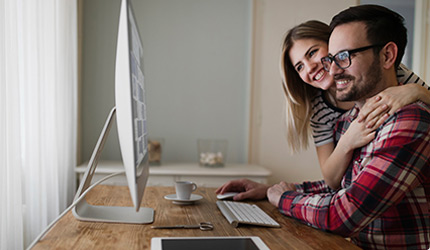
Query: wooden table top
[70, 233]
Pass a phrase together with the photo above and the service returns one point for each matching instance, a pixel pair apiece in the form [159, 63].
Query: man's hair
[383, 25]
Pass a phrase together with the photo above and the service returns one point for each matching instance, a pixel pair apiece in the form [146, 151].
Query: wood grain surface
[70, 233]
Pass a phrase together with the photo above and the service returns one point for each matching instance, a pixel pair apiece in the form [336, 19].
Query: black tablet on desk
[208, 243]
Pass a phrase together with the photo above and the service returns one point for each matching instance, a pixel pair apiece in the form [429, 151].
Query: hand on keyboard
[248, 189]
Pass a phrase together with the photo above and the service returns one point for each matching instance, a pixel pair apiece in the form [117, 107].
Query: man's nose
[334, 69]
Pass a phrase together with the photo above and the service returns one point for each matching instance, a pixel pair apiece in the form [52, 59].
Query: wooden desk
[69, 233]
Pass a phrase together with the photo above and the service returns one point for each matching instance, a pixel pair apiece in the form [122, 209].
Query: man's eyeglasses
[343, 58]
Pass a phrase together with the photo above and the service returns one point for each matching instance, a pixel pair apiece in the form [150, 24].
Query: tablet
[208, 243]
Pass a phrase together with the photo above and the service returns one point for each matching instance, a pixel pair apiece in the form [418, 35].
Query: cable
[38, 238]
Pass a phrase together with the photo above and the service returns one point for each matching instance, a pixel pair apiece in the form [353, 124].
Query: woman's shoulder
[321, 105]
[405, 75]
[317, 99]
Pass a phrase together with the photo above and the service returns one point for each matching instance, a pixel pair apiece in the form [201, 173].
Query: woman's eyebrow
[306, 53]
[295, 65]
[310, 48]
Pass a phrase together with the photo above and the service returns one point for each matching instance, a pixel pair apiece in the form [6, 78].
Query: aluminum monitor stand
[87, 212]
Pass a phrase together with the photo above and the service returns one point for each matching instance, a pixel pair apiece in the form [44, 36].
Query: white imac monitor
[132, 132]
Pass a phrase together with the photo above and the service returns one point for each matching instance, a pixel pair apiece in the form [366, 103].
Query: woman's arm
[335, 163]
[324, 152]
[395, 98]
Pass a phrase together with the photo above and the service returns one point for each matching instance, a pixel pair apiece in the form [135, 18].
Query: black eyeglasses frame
[329, 59]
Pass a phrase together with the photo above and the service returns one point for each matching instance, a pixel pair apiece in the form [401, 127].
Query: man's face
[359, 81]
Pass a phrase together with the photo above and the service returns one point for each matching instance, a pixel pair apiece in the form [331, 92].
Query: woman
[311, 102]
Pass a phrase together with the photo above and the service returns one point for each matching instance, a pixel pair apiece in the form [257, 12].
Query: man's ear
[389, 54]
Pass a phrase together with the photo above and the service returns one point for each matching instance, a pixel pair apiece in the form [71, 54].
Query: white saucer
[176, 200]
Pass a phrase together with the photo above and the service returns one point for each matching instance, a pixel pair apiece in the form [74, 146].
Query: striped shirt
[325, 115]
[384, 199]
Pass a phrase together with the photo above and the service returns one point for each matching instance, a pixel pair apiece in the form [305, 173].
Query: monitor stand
[87, 212]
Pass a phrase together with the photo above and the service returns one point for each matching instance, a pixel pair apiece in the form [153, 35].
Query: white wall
[268, 146]
[197, 71]
[421, 57]
[196, 66]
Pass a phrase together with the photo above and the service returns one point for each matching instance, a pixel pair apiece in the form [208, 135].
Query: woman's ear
[389, 54]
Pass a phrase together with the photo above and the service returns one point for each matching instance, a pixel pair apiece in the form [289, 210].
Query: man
[384, 199]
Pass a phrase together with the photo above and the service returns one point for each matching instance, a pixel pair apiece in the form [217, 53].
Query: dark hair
[382, 24]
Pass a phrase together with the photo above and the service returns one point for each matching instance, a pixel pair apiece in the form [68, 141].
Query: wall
[197, 73]
[407, 10]
[421, 57]
[268, 146]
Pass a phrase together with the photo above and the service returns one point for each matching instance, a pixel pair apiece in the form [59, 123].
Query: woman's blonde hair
[298, 94]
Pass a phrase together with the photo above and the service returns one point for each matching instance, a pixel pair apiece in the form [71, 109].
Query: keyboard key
[243, 213]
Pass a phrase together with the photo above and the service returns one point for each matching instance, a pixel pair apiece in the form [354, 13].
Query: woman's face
[305, 56]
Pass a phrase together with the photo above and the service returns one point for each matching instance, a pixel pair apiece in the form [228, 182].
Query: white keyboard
[243, 213]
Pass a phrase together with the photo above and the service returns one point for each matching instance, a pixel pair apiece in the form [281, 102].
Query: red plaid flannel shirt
[384, 199]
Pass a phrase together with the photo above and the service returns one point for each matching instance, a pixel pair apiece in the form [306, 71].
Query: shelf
[167, 174]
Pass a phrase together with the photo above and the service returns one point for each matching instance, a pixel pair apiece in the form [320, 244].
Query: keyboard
[243, 213]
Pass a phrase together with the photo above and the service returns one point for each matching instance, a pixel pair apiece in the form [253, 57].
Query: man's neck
[388, 81]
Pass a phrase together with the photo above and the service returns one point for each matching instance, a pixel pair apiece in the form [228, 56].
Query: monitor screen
[138, 91]
[131, 103]
[209, 244]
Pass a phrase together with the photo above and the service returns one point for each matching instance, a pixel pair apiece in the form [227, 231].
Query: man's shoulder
[408, 121]
[417, 110]
[406, 129]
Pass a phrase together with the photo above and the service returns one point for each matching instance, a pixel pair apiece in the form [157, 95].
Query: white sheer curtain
[38, 105]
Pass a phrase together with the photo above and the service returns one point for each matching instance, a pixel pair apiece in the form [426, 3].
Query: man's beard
[361, 90]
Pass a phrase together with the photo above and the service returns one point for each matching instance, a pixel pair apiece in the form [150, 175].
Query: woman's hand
[357, 135]
[374, 111]
[387, 102]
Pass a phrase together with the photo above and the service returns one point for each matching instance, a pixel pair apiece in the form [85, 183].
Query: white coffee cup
[184, 189]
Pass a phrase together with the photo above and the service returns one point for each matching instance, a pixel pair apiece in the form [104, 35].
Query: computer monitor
[132, 131]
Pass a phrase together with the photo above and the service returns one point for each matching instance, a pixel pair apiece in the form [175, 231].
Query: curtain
[38, 115]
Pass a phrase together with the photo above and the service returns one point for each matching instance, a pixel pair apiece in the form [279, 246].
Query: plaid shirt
[384, 199]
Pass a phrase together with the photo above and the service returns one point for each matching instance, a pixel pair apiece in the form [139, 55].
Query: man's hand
[247, 189]
[275, 192]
